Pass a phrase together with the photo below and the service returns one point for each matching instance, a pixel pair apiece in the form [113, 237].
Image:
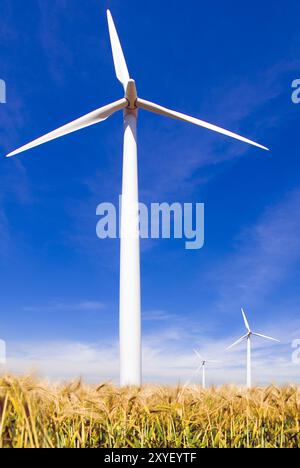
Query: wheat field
[35, 414]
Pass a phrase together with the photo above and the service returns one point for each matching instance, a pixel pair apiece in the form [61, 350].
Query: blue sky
[219, 61]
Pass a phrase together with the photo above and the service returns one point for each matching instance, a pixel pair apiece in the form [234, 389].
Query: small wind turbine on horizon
[248, 338]
[130, 293]
[202, 367]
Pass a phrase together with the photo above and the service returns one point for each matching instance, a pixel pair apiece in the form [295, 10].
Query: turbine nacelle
[131, 95]
[204, 361]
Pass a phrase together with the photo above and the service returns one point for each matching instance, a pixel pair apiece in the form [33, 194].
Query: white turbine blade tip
[198, 354]
[258, 145]
[118, 55]
[13, 153]
[246, 321]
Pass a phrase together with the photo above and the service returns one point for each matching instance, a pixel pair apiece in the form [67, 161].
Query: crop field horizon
[37, 414]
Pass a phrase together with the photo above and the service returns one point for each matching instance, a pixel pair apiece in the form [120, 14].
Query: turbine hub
[131, 95]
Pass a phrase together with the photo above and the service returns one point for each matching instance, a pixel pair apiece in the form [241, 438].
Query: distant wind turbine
[130, 294]
[202, 367]
[248, 338]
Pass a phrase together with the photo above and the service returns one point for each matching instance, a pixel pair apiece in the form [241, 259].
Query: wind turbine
[202, 367]
[248, 338]
[130, 295]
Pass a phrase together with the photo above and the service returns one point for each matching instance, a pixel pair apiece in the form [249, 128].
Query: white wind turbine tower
[202, 367]
[248, 338]
[130, 297]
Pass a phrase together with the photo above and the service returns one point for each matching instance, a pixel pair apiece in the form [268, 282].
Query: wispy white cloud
[85, 306]
[158, 316]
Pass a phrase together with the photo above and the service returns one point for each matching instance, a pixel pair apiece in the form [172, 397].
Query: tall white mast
[203, 377]
[249, 363]
[130, 291]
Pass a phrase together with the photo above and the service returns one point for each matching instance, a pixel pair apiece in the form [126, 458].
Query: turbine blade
[246, 321]
[237, 342]
[198, 354]
[266, 337]
[93, 118]
[118, 56]
[149, 106]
